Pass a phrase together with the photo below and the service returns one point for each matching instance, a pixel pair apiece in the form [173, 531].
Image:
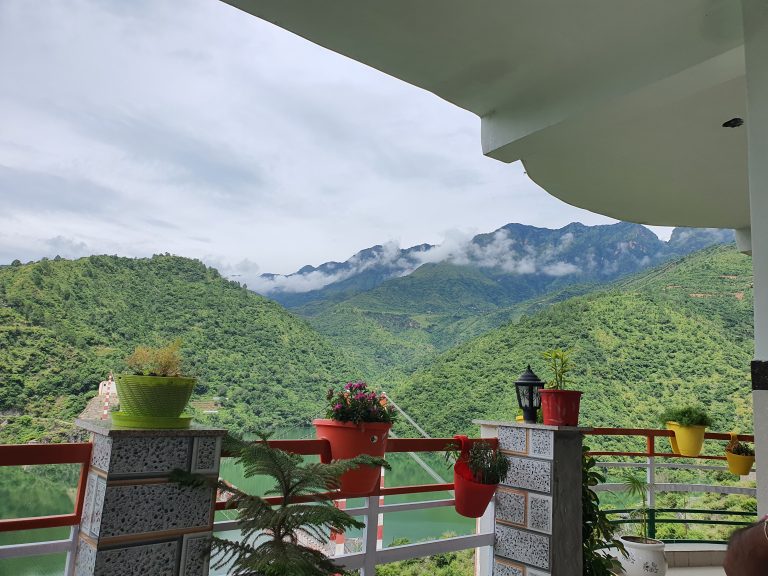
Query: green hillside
[679, 333]
[65, 324]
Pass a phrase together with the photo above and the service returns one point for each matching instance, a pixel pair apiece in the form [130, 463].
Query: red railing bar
[388, 491]
[322, 446]
[652, 432]
[13, 524]
[38, 454]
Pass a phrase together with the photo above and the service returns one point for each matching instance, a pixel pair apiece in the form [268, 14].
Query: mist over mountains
[515, 253]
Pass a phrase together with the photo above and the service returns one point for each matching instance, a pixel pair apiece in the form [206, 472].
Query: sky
[135, 128]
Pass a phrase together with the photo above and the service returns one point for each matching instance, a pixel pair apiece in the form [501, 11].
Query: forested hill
[65, 324]
[681, 333]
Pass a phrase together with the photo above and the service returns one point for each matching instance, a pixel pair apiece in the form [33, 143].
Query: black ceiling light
[733, 123]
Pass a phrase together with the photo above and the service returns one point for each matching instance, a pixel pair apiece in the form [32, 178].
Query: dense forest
[64, 325]
[680, 333]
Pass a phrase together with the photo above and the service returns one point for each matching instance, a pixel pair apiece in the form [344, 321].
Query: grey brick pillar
[538, 506]
[137, 523]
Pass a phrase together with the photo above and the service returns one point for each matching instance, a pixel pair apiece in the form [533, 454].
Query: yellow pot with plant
[740, 456]
[689, 424]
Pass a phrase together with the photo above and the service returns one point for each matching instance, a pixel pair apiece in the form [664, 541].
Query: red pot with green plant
[478, 470]
[559, 407]
[358, 422]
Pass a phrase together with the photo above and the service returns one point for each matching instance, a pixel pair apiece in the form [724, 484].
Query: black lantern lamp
[528, 397]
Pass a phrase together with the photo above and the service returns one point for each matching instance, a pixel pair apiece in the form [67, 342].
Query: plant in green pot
[644, 555]
[689, 424]
[476, 474]
[559, 407]
[357, 422]
[740, 456]
[154, 393]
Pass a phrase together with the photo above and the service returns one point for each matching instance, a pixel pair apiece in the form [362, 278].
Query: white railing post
[69, 570]
[651, 480]
[370, 536]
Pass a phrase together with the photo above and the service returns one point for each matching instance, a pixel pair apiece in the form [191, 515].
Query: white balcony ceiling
[615, 106]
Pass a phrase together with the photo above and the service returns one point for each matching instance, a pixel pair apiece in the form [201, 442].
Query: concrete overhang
[616, 106]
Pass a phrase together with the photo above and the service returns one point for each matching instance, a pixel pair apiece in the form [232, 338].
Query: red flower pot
[560, 407]
[348, 440]
[472, 498]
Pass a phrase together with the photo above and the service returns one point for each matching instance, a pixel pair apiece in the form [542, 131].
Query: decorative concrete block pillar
[137, 523]
[538, 505]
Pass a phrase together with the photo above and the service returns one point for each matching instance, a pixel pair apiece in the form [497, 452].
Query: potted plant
[559, 407]
[644, 555]
[740, 456]
[689, 423]
[357, 422]
[155, 393]
[476, 474]
[276, 539]
[598, 533]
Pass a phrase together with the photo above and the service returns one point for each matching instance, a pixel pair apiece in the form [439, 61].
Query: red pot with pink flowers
[357, 422]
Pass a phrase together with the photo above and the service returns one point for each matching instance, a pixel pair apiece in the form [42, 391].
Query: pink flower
[337, 407]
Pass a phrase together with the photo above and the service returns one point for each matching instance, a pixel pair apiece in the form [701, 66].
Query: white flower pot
[645, 557]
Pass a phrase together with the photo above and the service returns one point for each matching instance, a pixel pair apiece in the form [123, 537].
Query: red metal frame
[650, 436]
[39, 454]
[323, 448]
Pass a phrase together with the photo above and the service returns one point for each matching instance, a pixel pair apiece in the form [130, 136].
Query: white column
[755, 14]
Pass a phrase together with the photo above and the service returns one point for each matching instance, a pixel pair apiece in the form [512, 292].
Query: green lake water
[44, 490]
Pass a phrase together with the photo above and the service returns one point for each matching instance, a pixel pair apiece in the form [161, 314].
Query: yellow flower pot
[739, 465]
[687, 440]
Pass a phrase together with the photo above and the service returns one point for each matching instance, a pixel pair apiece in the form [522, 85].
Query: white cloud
[138, 128]
[457, 248]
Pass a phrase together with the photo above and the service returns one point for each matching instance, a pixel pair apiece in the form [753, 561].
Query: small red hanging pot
[471, 498]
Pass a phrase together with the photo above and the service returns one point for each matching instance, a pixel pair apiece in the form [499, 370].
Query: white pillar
[755, 14]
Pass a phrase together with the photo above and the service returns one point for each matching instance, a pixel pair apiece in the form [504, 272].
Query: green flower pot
[156, 396]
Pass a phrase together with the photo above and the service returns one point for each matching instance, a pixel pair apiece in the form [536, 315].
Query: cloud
[138, 128]
[68, 247]
[500, 252]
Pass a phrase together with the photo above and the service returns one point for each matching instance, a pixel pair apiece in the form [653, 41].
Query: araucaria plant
[355, 403]
[277, 539]
[161, 361]
[559, 363]
[686, 416]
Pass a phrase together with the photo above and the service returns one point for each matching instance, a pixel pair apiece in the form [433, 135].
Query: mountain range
[513, 262]
[392, 310]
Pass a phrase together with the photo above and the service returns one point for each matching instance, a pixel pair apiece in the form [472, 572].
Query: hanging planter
[358, 422]
[689, 424]
[559, 407]
[476, 475]
[740, 456]
[349, 440]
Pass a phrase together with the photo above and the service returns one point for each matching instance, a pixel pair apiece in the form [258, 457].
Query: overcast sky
[139, 127]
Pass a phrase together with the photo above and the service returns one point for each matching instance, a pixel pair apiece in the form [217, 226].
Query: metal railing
[651, 466]
[44, 454]
[370, 556]
[367, 559]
